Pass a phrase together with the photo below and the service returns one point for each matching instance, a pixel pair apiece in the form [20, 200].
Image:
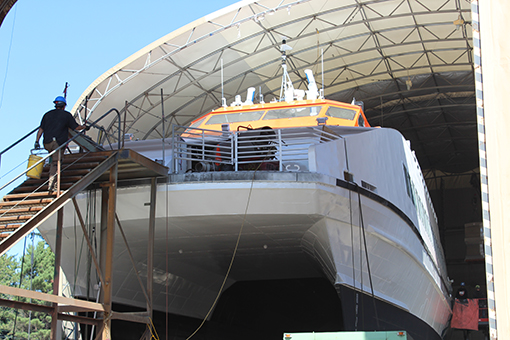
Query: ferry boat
[297, 188]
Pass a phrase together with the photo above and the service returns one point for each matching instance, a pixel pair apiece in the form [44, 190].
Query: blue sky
[44, 44]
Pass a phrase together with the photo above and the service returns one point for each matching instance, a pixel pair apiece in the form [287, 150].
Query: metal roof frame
[409, 61]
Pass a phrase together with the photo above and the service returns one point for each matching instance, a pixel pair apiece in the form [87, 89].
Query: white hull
[294, 225]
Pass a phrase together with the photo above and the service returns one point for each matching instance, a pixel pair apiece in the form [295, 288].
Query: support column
[103, 234]
[110, 238]
[150, 251]
[56, 273]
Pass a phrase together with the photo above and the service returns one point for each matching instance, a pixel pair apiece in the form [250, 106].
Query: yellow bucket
[37, 171]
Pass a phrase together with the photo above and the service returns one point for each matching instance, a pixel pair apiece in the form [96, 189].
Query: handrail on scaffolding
[81, 133]
[102, 129]
[18, 141]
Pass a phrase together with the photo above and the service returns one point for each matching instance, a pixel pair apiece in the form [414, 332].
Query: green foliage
[39, 276]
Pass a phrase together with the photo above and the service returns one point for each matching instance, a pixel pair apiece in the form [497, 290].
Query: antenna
[321, 95]
[65, 90]
[223, 100]
[287, 89]
[261, 96]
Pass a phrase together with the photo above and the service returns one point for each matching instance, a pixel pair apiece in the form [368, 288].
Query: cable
[366, 255]
[361, 262]
[8, 55]
[231, 261]
[235, 248]
[356, 308]
[166, 261]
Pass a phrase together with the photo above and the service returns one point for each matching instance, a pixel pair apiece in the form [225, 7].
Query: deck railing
[202, 150]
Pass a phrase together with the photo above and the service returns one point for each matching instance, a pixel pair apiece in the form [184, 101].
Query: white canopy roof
[410, 61]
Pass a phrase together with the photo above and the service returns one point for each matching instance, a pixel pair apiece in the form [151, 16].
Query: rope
[154, 335]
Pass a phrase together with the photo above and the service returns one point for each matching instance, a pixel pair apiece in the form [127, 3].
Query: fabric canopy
[410, 61]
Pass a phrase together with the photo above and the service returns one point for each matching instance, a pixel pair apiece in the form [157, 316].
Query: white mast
[287, 89]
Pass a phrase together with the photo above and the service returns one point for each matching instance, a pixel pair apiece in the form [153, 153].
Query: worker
[54, 125]
[462, 305]
[478, 292]
[462, 293]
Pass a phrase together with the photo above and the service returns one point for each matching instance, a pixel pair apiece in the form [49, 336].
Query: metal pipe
[174, 164]
[44, 158]
[19, 141]
[107, 113]
[163, 124]
[124, 125]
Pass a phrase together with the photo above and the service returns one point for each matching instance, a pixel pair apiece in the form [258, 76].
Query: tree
[37, 274]
[9, 270]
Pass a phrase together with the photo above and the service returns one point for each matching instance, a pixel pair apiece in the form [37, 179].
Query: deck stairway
[30, 204]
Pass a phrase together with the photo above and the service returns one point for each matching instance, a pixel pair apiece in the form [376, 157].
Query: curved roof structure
[5, 6]
[410, 61]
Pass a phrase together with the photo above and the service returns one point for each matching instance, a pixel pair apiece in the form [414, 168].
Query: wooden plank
[30, 294]
[145, 162]
[72, 309]
[48, 309]
[44, 214]
[140, 317]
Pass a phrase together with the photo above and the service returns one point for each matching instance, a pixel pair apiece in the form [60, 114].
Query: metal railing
[120, 142]
[43, 159]
[201, 150]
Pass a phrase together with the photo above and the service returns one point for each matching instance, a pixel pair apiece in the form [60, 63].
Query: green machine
[392, 335]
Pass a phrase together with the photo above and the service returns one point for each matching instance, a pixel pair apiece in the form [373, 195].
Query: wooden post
[59, 169]
[110, 238]
[56, 274]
